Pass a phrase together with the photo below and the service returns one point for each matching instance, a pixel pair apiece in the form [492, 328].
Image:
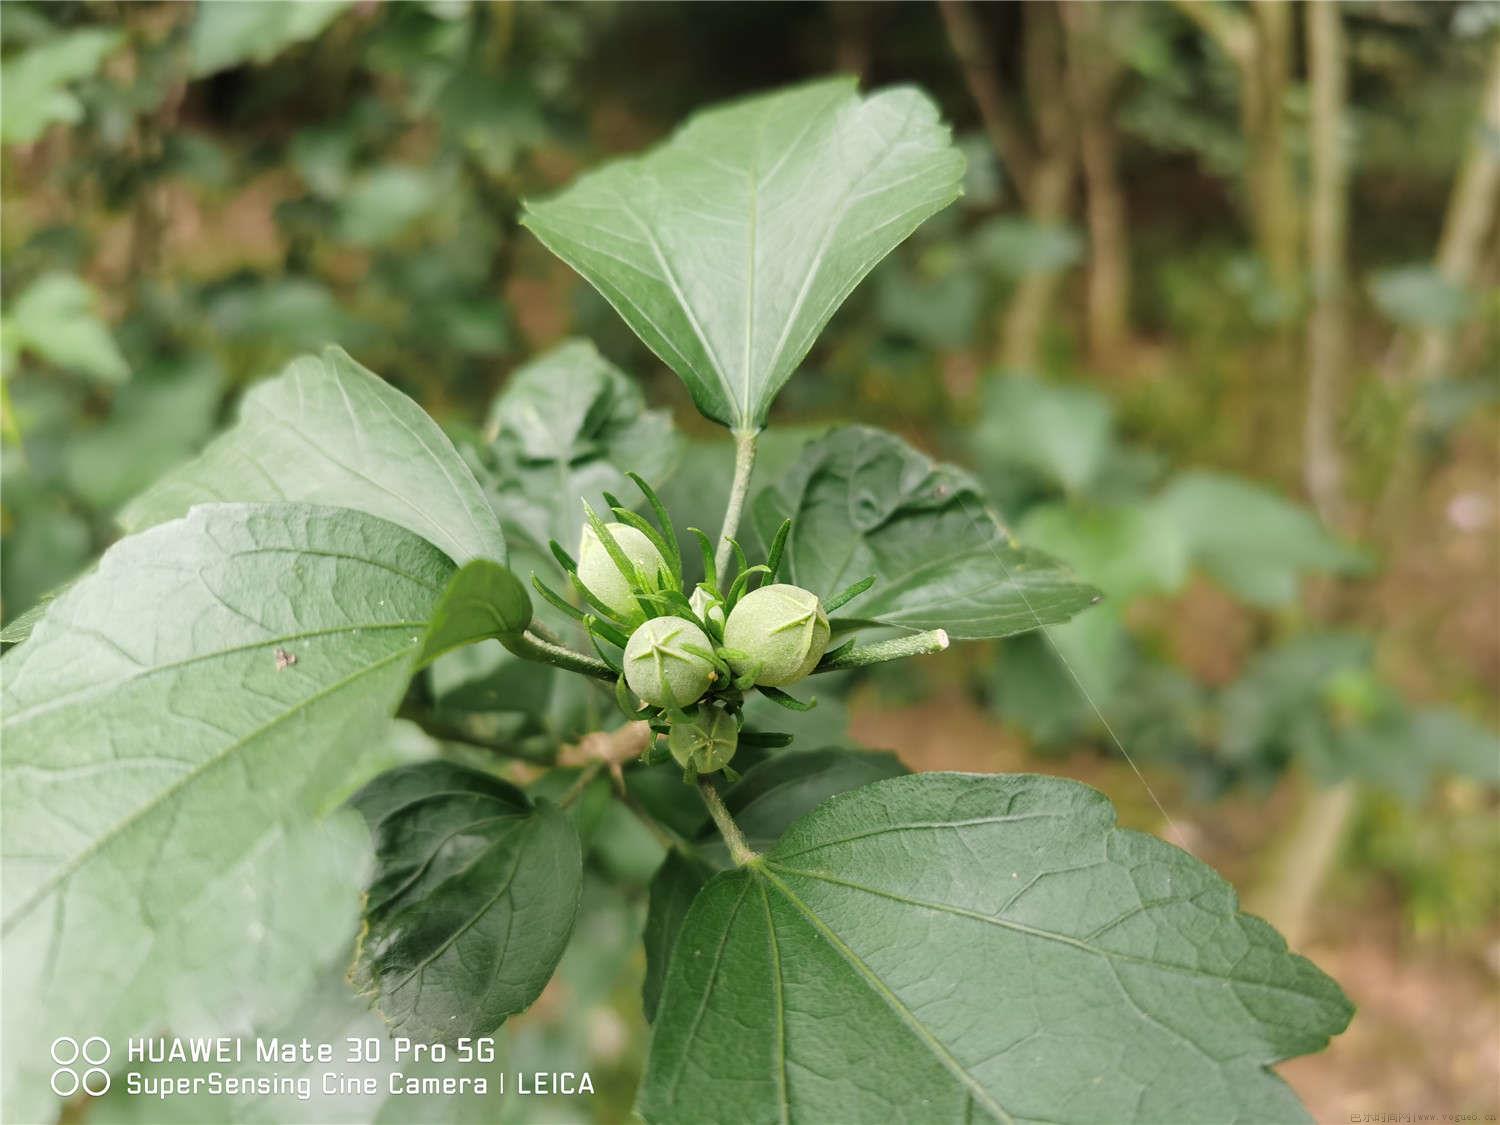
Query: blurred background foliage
[1217, 320]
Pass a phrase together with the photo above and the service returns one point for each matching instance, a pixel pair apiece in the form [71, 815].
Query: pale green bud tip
[660, 666]
[602, 578]
[706, 742]
[699, 602]
[782, 630]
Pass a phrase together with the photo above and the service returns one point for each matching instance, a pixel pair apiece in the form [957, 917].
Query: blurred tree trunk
[1417, 358]
[1040, 156]
[1094, 74]
[1258, 41]
[1311, 848]
[1328, 247]
[1471, 214]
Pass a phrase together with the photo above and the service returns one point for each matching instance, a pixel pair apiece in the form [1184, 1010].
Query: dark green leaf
[864, 502]
[729, 247]
[176, 724]
[673, 888]
[482, 600]
[765, 802]
[957, 947]
[473, 898]
[327, 431]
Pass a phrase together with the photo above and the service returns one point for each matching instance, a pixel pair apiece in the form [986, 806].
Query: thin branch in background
[1327, 326]
[1007, 134]
[1470, 216]
[1094, 73]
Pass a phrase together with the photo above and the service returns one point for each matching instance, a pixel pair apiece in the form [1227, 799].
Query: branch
[982, 77]
[529, 646]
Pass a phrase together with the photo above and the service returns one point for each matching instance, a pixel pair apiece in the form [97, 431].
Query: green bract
[660, 665]
[706, 742]
[782, 631]
[598, 572]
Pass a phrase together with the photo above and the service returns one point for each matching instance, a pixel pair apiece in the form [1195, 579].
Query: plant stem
[531, 647]
[584, 779]
[744, 462]
[445, 731]
[664, 835]
[739, 851]
[917, 644]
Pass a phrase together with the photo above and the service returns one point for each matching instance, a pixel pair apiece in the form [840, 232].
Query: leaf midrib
[939, 1050]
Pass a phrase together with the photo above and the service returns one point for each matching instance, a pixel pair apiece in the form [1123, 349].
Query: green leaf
[1420, 297]
[1061, 433]
[956, 947]
[473, 898]
[1014, 247]
[1254, 541]
[56, 318]
[567, 428]
[482, 600]
[156, 421]
[227, 33]
[176, 724]
[327, 431]
[728, 248]
[764, 803]
[34, 84]
[864, 502]
[383, 202]
[673, 888]
[1127, 550]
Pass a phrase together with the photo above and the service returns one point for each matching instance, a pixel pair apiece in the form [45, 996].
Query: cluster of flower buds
[687, 659]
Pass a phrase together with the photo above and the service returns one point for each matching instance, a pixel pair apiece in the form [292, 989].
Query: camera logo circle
[72, 1058]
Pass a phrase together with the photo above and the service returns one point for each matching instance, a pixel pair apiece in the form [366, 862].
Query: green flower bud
[706, 742]
[602, 578]
[659, 666]
[700, 604]
[781, 629]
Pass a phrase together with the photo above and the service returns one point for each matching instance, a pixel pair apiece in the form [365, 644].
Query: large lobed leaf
[728, 248]
[864, 502]
[175, 726]
[953, 947]
[472, 902]
[327, 431]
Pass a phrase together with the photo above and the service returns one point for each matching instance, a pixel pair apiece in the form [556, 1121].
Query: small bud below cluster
[705, 742]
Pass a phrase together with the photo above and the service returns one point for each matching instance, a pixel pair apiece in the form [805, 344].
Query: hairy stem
[917, 644]
[529, 646]
[739, 851]
[744, 462]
